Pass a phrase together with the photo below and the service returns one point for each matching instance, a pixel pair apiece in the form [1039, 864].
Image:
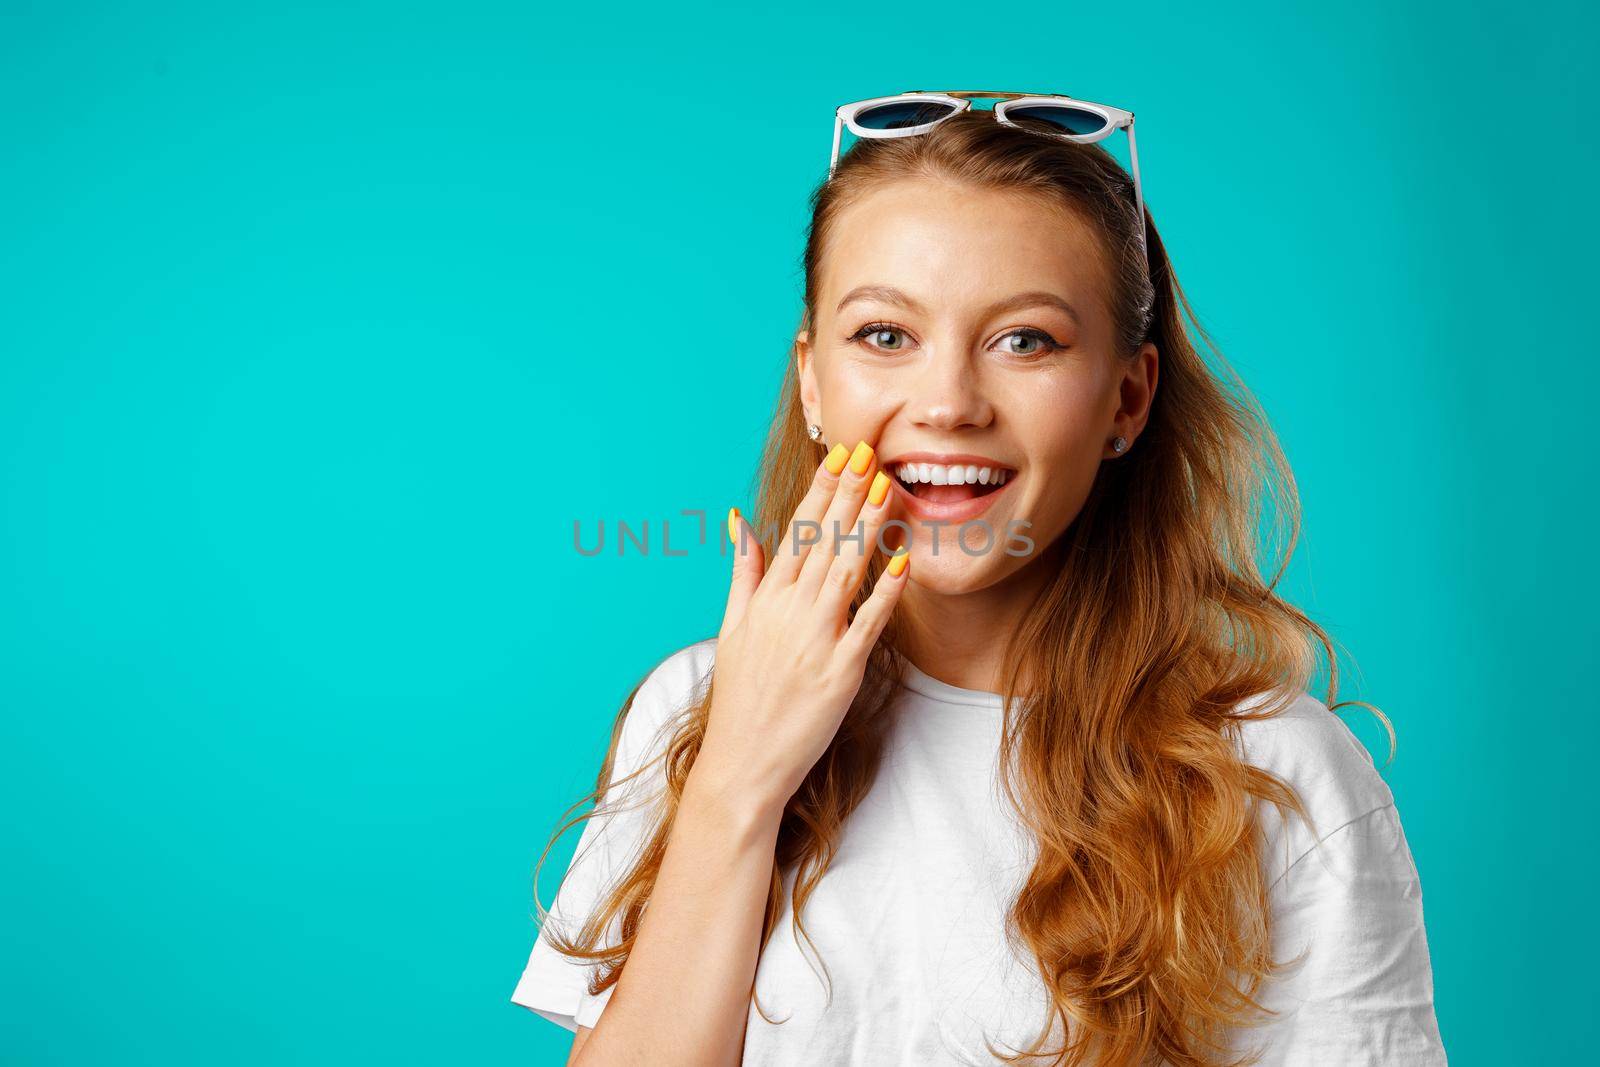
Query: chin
[953, 573]
[956, 571]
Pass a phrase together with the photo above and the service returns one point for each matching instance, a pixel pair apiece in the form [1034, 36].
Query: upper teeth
[943, 474]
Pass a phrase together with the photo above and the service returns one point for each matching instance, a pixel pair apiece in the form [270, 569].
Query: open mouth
[940, 483]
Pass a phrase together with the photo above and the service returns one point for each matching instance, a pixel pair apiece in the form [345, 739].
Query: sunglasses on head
[910, 113]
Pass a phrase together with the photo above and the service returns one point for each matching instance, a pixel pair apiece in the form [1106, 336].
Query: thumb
[749, 564]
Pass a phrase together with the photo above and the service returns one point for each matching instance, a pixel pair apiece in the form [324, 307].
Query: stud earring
[814, 432]
[1119, 444]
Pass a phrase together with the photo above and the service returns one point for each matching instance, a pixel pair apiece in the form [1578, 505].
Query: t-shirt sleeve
[556, 986]
[1363, 994]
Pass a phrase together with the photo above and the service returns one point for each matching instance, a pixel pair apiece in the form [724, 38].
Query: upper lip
[949, 459]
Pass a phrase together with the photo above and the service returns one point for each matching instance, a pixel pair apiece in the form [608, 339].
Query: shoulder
[667, 691]
[1312, 750]
[613, 838]
[679, 679]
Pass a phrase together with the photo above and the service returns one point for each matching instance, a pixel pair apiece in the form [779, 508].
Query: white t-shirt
[909, 917]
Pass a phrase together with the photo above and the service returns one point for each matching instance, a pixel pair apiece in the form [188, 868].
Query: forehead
[956, 247]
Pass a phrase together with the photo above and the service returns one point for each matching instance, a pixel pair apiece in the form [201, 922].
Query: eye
[1041, 342]
[877, 330]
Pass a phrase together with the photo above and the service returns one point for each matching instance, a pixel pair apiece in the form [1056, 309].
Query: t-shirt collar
[920, 682]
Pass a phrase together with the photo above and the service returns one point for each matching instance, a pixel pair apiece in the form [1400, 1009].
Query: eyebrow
[890, 295]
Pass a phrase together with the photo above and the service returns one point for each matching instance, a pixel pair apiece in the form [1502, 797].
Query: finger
[849, 566]
[749, 562]
[795, 544]
[873, 615]
[839, 521]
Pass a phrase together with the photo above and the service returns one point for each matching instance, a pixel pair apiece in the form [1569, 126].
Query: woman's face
[963, 331]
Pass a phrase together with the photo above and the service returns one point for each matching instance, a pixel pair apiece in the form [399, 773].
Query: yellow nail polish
[879, 490]
[836, 459]
[898, 564]
[861, 458]
[733, 525]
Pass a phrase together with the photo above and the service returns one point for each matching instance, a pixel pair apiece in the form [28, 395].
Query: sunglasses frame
[1116, 118]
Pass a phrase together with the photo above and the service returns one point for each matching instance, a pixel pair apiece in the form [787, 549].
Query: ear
[1135, 393]
[806, 368]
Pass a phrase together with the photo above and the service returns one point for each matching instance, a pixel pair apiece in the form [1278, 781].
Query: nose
[948, 393]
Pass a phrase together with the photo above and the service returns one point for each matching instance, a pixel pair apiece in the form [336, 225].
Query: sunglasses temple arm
[838, 130]
[1138, 195]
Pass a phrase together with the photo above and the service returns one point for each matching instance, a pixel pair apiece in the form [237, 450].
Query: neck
[960, 638]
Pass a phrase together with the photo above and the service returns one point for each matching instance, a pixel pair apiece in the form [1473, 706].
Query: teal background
[320, 325]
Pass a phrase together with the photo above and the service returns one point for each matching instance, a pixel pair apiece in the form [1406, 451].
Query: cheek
[1062, 430]
[854, 397]
[1060, 423]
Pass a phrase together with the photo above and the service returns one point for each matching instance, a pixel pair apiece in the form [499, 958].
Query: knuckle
[814, 665]
[830, 675]
[861, 624]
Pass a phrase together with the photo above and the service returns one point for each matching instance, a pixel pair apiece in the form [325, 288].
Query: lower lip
[954, 512]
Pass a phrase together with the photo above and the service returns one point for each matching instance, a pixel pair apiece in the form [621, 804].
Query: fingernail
[861, 458]
[836, 459]
[879, 490]
[898, 564]
[733, 525]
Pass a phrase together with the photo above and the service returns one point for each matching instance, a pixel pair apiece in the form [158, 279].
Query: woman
[1048, 781]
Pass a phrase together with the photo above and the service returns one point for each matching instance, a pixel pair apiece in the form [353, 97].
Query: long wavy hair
[1155, 636]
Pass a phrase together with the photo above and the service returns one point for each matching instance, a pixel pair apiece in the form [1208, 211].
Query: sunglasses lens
[903, 113]
[1074, 120]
